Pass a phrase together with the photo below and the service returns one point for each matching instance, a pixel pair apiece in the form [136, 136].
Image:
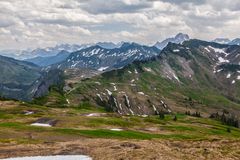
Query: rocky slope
[24, 80]
[195, 76]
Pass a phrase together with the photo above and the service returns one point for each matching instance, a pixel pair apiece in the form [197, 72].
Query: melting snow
[28, 113]
[141, 93]
[233, 81]
[148, 69]
[98, 83]
[207, 49]
[128, 103]
[131, 111]
[109, 92]
[116, 129]
[238, 77]
[222, 60]
[136, 72]
[41, 124]
[58, 157]
[129, 72]
[100, 97]
[219, 70]
[68, 101]
[103, 68]
[218, 50]
[229, 75]
[93, 115]
[176, 50]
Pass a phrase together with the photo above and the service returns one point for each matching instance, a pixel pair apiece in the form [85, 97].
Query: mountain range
[187, 74]
[178, 39]
[101, 59]
[227, 41]
[195, 75]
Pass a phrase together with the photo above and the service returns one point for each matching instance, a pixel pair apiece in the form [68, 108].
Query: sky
[41, 23]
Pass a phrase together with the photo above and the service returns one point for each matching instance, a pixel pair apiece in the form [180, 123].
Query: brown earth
[108, 149]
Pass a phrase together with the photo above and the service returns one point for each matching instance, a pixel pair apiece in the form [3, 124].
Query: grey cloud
[179, 2]
[46, 22]
[116, 6]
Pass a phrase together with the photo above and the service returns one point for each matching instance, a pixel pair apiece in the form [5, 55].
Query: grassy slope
[203, 89]
[73, 122]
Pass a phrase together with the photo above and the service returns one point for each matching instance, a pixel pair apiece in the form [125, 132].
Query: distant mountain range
[178, 39]
[222, 40]
[99, 58]
[52, 55]
[47, 61]
[227, 41]
[42, 52]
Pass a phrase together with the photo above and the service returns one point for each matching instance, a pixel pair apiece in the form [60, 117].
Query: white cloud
[31, 23]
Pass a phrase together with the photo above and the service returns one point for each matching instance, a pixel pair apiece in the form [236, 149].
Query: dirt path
[107, 149]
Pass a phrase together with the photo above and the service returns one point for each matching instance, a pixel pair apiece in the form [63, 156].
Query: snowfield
[41, 124]
[63, 157]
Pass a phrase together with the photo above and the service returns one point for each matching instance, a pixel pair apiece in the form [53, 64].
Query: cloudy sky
[40, 23]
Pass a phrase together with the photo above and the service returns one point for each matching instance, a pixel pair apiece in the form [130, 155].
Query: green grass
[125, 134]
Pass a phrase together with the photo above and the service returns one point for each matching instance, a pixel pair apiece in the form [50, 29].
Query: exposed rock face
[52, 77]
[194, 75]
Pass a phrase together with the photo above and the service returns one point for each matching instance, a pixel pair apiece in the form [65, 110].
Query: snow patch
[219, 50]
[68, 101]
[219, 70]
[103, 68]
[176, 50]
[141, 93]
[136, 72]
[128, 102]
[41, 124]
[28, 112]
[233, 81]
[100, 97]
[148, 69]
[58, 157]
[92, 115]
[98, 83]
[229, 75]
[222, 60]
[116, 129]
[109, 92]
[131, 111]
[207, 49]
